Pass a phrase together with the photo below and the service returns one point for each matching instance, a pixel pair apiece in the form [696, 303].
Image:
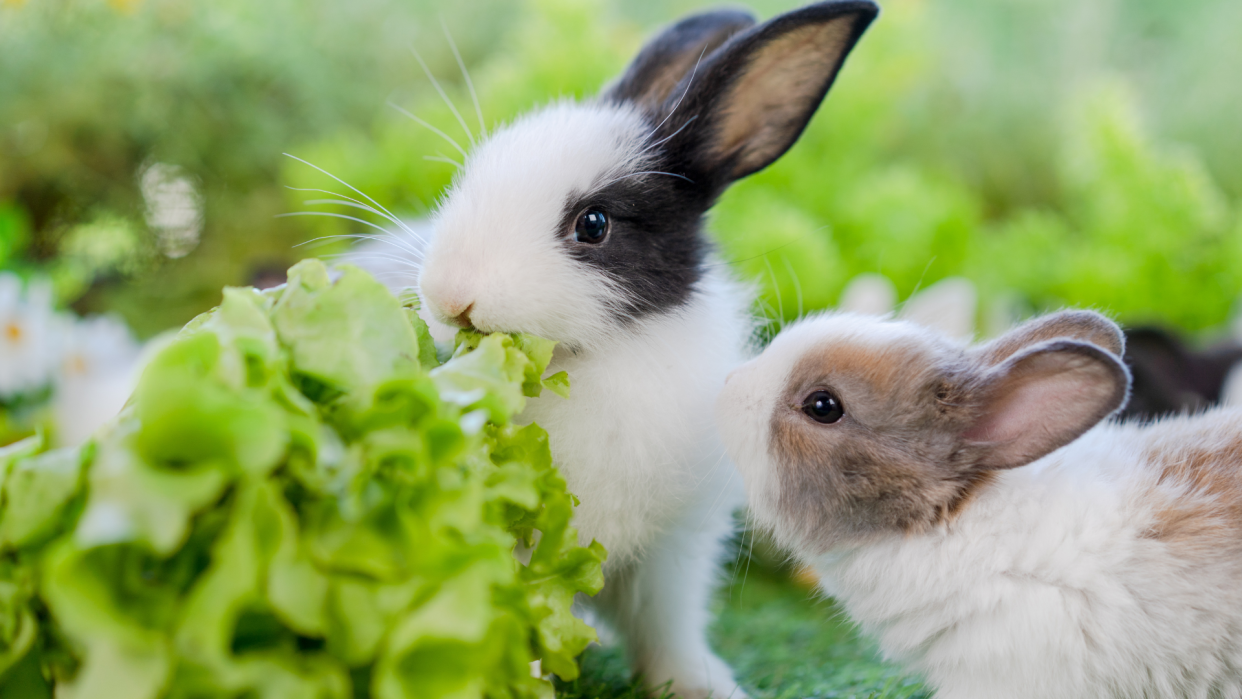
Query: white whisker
[438, 158]
[669, 137]
[684, 92]
[332, 215]
[431, 128]
[796, 281]
[387, 240]
[362, 205]
[443, 95]
[474, 96]
[352, 256]
[646, 172]
[391, 216]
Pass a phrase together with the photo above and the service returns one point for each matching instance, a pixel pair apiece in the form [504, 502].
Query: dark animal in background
[1170, 376]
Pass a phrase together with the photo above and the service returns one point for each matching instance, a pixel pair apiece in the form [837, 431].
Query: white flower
[30, 336]
[97, 374]
[174, 208]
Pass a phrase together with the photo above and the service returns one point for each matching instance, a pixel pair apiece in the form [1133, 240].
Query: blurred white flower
[97, 375]
[174, 208]
[30, 336]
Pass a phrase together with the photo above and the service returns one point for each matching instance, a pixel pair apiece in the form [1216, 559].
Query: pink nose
[462, 320]
[456, 312]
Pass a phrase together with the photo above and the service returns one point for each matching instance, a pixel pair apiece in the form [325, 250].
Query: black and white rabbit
[969, 508]
[582, 222]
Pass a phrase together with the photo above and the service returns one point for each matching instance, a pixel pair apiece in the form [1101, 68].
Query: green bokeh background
[1056, 152]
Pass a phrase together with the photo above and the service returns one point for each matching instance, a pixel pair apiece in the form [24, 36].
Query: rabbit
[582, 222]
[974, 510]
[1170, 376]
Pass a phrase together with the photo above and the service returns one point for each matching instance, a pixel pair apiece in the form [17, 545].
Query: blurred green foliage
[1056, 152]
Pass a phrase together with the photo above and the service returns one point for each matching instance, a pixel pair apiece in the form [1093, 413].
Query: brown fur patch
[1209, 513]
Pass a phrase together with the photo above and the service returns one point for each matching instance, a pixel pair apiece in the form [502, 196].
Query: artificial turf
[782, 639]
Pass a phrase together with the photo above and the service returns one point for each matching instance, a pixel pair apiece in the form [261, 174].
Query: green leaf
[35, 495]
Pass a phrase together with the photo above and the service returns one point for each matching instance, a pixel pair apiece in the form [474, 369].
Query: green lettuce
[300, 501]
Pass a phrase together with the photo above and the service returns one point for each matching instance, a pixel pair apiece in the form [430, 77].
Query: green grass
[782, 639]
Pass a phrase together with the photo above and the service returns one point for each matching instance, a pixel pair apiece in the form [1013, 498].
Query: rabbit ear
[1087, 326]
[754, 95]
[1040, 399]
[673, 55]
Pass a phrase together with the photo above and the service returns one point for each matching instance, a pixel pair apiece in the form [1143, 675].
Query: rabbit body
[972, 509]
[1109, 568]
[636, 444]
[640, 414]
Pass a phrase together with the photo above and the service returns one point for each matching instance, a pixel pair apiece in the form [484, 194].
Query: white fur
[1048, 584]
[635, 440]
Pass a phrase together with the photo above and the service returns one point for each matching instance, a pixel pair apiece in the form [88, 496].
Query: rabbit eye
[591, 227]
[823, 407]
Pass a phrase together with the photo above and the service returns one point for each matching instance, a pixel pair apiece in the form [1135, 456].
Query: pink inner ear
[1042, 403]
[1028, 406]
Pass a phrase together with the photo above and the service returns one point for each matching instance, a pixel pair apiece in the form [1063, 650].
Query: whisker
[387, 233]
[391, 215]
[647, 172]
[780, 304]
[361, 205]
[364, 207]
[684, 92]
[324, 239]
[797, 282]
[442, 159]
[431, 128]
[444, 96]
[669, 137]
[474, 96]
[377, 256]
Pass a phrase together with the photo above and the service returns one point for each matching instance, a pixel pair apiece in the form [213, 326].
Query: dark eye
[822, 406]
[591, 226]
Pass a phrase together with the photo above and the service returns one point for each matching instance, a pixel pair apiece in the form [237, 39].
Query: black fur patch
[655, 246]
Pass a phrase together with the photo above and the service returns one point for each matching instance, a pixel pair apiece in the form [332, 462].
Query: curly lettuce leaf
[300, 501]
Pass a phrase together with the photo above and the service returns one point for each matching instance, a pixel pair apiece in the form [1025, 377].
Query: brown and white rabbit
[971, 508]
[582, 222]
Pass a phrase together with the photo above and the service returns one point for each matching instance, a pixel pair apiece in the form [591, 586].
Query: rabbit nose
[462, 319]
[451, 308]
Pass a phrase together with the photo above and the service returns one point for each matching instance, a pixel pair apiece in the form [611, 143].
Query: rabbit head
[584, 218]
[851, 427]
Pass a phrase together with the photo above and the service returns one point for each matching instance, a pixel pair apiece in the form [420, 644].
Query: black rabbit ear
[672, 55]
[751, 98]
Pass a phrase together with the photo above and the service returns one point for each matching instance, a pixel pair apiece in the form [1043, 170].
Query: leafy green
[297, 502]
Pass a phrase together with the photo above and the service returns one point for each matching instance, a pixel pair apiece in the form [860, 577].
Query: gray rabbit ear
[672, 55]
[751, 99]
[1085, 326]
